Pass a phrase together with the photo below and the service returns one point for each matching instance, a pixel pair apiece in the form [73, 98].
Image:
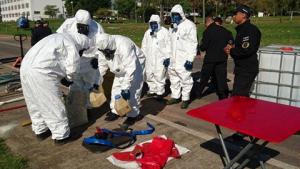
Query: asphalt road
[9, 47]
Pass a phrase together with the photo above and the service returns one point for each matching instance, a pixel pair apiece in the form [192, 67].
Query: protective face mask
[176, 18]
[109, 54]
[83, 29]
[153, 26]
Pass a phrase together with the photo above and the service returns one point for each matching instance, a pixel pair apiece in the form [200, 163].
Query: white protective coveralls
[184, 48]
[127, 67]
[44, 65]
[156, 49]
[88, 76]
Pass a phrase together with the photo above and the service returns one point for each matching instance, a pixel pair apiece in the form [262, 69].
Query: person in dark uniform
[218, 21]
[244, 52]
[39, 32]
[214, 39]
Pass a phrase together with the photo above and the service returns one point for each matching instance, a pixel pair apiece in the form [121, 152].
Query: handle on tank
[21, 41]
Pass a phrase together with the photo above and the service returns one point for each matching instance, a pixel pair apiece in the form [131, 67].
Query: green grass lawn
[273, 31]
[10, 161]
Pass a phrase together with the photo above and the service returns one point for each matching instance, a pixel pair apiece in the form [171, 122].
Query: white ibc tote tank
[279, 75]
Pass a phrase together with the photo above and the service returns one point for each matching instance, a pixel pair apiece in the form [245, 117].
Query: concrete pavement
[172, 121]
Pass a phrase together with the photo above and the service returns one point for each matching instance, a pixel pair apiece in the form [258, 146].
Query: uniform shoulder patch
[245, 45]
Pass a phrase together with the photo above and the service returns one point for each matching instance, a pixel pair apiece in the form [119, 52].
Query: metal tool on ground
[20, 38]
[8, 59]
[26, 123]
[12, 87]
[9, 77]
[12, 100]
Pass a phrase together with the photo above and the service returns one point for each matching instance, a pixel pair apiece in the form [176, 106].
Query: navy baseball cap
[244, 9]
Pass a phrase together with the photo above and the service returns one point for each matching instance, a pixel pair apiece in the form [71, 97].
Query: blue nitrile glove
[188, 65]
[125, 94]
[166, 62]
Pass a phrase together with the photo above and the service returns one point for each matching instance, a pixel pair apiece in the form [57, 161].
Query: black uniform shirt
[214, 40]
[247, 42]
[39, 33]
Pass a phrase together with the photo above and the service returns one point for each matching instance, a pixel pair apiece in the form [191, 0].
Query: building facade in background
[12, 10]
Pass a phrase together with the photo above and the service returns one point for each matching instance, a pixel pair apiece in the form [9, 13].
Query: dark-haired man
[218, 21]
[214, 39]
[244, 51]
[39, 32]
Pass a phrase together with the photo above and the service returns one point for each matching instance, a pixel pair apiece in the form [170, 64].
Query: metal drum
[279, 75]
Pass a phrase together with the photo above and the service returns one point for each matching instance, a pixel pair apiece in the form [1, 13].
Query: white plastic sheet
[135, 165]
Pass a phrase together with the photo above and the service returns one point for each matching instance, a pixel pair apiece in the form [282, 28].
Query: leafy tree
[103, 12]
[275, 7]
[51, 10]
[186, 4]
[125, 7]
[90, 5]
[70, 4]
[148, 12]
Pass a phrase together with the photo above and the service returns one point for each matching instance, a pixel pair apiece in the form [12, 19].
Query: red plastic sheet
[152, 155]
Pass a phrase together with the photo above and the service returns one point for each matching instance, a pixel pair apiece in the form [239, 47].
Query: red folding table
[258, 119]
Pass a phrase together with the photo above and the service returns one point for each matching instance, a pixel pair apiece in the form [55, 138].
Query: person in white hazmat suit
[123, 58]
[89, 75]
[53, 60]
[184, 48]
[156, 47]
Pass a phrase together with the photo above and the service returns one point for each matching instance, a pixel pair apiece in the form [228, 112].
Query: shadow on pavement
[211, 88]
[214, 145]
[152, 106]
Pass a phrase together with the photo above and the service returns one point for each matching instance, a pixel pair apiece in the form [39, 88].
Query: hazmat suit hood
[81, 41]
[105, 41]
[83, 17]
[178, 9]
[155, 18]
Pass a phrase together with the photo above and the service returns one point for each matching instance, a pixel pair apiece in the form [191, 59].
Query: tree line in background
[142, 9]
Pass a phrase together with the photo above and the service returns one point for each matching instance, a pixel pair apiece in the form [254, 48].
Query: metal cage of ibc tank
[279, 51]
